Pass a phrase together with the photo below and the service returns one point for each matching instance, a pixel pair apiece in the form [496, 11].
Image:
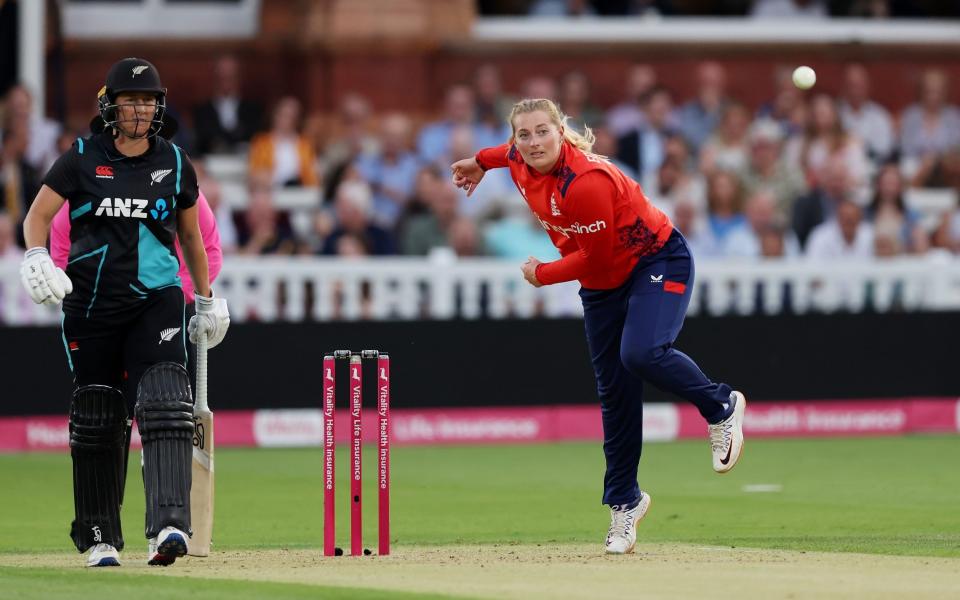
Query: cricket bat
[201, 491]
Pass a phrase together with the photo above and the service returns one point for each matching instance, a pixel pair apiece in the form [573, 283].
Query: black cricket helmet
[132, 75]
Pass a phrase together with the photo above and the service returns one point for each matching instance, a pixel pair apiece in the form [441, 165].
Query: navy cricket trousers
[630, 333]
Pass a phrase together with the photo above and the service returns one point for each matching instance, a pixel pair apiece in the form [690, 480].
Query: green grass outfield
[888, 495]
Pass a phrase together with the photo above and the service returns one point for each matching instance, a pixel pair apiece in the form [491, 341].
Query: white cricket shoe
[103, 555]
[726, 437]
[622, 535]
[167, 547]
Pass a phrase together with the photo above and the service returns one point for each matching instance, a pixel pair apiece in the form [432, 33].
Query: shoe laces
[101, 548]
[621, 522]
[721, 435]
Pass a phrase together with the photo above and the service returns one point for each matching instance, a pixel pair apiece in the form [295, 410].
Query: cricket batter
[131, 194]
[636, 273]
[60, 253]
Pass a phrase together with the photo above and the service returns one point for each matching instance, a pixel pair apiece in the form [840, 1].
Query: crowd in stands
[804, 175]
[759, 9]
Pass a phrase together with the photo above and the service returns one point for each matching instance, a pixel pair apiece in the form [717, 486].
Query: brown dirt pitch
[575, 571]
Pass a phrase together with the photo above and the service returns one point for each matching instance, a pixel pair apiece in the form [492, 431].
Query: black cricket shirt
[122, 221]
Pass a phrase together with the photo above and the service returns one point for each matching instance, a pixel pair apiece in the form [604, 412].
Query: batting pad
[98, 419]
[165, 417]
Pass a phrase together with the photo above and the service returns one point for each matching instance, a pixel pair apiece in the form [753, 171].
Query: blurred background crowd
[727, 8]
[821, 174]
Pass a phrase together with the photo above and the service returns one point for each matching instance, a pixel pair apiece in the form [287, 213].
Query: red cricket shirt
[595, 215]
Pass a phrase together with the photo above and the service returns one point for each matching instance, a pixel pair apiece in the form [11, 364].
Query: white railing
[295, 289]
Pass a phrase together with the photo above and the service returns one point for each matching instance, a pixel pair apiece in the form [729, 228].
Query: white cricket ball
[804, 77]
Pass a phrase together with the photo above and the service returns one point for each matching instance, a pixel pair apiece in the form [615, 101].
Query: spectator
[826, 141]
[497, 195]
[263, 230]
[391, 172]
[773, 241]
[789, 9]
[560, 8]
[786, 108]
[227, 121]
[887, 240]
[767, 169]
[19, 181]
[763, 223]
[41, 133]
[865, 118]
[676, 179]
[947, 234]
[9, 251]
[689, 218]
[700, 116]
[540, 87]
[519, 235]
[428, 177]
[221, 212]
[820, 204]
[425, 232]
[352, 245]
[643, 149]
[576, 103]
[493, 105]
[282, 153]
[11, 254]
[670, 186]
[888, 206]
[845, 235]
[459, 110]
[628, 114]
[947, 171]
[353, 207]
[726, 149]
[605, 144]
[929, 127]
[725, 206]
[65, 140]
[464, 238]
[352, 138]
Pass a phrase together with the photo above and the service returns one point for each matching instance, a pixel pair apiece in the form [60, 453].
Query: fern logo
[159, 212]
[167, 334]
[158, 175]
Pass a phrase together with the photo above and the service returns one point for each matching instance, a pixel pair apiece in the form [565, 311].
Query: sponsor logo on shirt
[104, 172]
[159, 212]
[576, 228]
[123, 207]
[656, 279]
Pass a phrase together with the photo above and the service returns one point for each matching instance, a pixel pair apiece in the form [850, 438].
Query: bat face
[201, 490]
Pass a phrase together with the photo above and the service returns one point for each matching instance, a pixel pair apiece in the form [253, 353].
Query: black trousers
[117, 350]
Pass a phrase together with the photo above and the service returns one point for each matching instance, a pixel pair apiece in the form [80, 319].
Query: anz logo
[135, 208]
[123, 207]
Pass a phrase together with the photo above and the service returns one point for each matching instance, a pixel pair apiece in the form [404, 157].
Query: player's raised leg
[659, 297]
[165, 418]
[98, 416]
